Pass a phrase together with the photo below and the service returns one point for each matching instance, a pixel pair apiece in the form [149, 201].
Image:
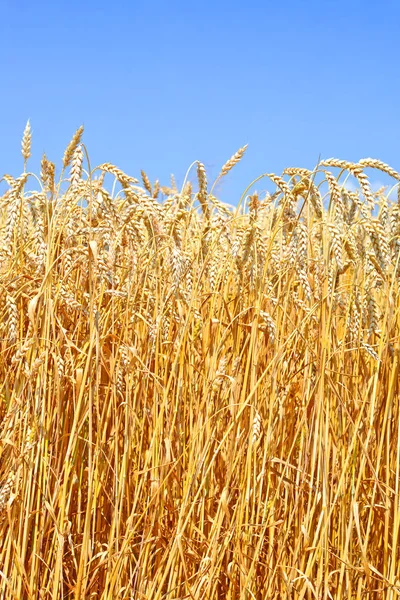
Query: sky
[158, 85]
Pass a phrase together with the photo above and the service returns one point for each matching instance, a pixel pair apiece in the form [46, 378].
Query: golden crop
[199, 401]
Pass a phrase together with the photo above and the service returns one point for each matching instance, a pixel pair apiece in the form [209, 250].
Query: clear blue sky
[160, 84]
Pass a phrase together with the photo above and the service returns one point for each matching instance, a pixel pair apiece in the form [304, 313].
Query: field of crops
[199, 400]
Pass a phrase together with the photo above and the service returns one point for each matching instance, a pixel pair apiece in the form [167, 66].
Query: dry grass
[198, 401]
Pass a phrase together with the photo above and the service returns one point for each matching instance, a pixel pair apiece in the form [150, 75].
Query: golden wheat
[26, 142]
[198, 400]
[237, 157]
[72, 146]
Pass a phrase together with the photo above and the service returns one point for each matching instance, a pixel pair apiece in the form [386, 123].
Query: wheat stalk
[234, 159]
[26, 143]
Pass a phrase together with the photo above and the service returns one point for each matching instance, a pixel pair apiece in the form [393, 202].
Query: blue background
[158, 85]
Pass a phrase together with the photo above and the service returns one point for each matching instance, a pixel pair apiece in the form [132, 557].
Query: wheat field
[199, 400]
